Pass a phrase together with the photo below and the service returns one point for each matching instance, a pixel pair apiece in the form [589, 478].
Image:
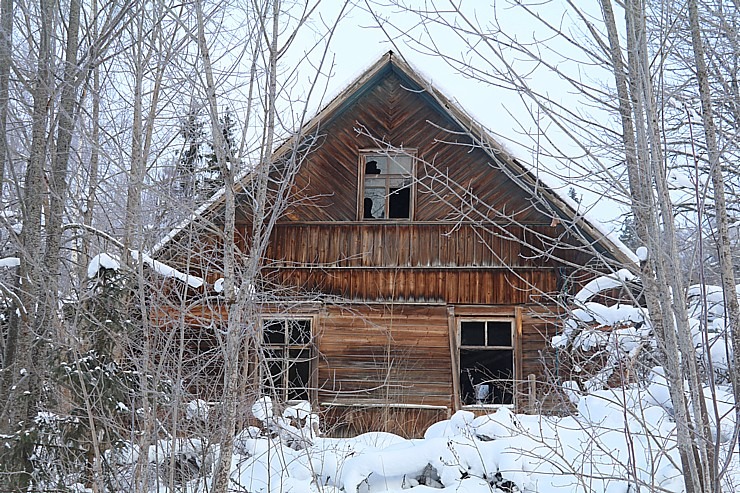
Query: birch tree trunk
[727, 273]
[668, 312]
[6, 47]
[234, 321]
[22, 382]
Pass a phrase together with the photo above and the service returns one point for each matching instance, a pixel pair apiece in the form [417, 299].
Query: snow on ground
[617, 441]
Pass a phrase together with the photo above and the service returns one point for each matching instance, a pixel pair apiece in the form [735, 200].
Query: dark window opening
[399, 203]
[486, 362]
[371, 167]
[286, 372]
[386, 192]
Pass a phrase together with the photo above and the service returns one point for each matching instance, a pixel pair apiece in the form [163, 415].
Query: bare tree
[267, 196]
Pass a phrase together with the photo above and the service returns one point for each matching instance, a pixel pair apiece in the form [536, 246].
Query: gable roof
[512, 167]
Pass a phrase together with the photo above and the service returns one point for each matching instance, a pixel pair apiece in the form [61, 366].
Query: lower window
[288, 355]
[486, 362]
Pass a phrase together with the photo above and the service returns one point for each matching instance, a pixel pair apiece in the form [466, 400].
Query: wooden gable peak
[551, 200]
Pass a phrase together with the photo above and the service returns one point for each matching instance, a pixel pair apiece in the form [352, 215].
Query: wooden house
[419, 266]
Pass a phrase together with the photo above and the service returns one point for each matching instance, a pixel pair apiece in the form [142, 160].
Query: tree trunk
[722, 236]
[22, 382]
[92, 180]
[631, 83]
[6, 49]
[231, 353]
[59, 164]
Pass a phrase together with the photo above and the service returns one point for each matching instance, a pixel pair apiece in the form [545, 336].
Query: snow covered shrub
[106, 317]
[49, 443]
[97, 391]
[180, 464]
[706, 306]
[100, 397]
[297, 427]
[183, 460]
[611, 345]
[604, 345]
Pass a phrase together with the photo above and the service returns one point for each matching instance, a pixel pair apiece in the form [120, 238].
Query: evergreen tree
[213, 176]
[189, 163]
[628, 233]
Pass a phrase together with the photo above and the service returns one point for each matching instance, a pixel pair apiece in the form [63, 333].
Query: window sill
[480, 407]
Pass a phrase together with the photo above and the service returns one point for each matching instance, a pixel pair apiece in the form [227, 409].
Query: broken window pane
[298, 378]
[486, 362]
[372, 167]
[374, 202]
[387, 190]
[486, 376]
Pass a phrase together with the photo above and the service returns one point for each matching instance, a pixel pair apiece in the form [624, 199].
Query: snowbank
[618, 441]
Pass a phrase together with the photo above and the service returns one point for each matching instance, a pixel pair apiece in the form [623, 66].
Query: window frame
[282, 390]
[468, 347]
[361, 175]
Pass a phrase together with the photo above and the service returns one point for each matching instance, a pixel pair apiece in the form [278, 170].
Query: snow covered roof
[512, 166]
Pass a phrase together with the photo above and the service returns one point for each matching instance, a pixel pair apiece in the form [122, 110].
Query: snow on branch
[8, 262]
[167, 271]
[106, 261]
[102, 261]
[604, 283]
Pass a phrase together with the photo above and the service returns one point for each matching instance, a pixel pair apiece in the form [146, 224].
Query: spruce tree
[189, 163]
[213, 176]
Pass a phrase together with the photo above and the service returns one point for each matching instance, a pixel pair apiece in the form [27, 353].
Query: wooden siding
[385, 355]
[417, 245]
[460, 285]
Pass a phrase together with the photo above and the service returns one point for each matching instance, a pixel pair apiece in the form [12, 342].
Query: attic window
[386, 191]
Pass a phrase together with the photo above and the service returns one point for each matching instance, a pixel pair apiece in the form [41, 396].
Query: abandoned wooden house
[416, 271]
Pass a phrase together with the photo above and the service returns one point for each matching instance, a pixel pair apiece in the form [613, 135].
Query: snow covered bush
[709, 331]
[616, 342]
[185, 463]
[46, 441]
[297, 427]
[602, 345]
